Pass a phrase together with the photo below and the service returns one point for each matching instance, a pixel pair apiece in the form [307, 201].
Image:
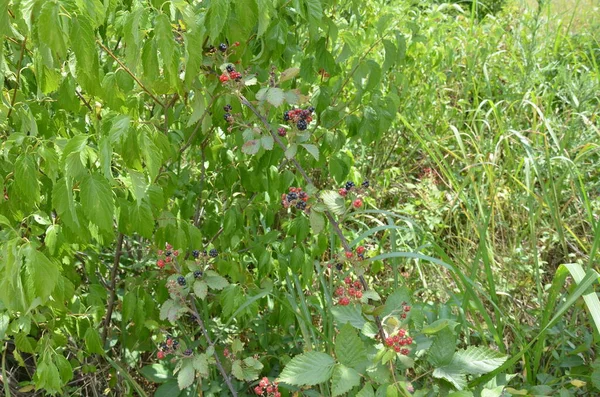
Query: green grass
[505, 113]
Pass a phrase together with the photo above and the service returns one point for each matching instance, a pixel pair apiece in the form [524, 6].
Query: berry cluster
[230, 74]
[167, 347]
[300, 117]
[228, 116]
[399, 341]
[267, 389]
[350, 290]
[222, 47]
[296, 197]
[360, 253]
[405, 310]
[166, 256]
[350, 187]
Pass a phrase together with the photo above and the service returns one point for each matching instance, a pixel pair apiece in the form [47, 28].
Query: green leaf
[186, 375]
[442, 349]
[201, 364]
[4, 321]
[349, 314]
[214, 280]
[275, 96]
[92, 341]
[97, 201]
[315, 11]
[169, 389]
[267, 142]
[308, 369]
[477, 360]
[251, 147]
[217, 17]
[343, 380]
[366, 391]
[200, 289]
[50, 29]
[264, 8]
[334, 202]
[26, 179]
[349, 348]
[312, 149]
[83, 42]
[290, 152]
[64, 368]
[156, 373]
[44, 273]
[4, 21]
[171, 310]
[317, 222]
[452, 373]
[47, 376]
[62, 201]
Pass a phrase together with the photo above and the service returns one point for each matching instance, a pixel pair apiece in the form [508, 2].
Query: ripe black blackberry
[286, 116]
[195, 254]
[187, 352]
[304, 114]
[222, 47]
[181, 281]
[198, 274]
[339, 266]
[349, 185]
[311, 109]
[292, 196]
[227, 116]
[227, 108]
[168, 253]
[365, 184]
[301, 205]
[213, 253]
[302, 195]
[302, 125]
[230, 68]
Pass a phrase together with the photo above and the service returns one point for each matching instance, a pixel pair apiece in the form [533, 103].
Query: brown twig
[129, 72]
[19, 65]
[113, 282]
[87, 104]
[308, 179]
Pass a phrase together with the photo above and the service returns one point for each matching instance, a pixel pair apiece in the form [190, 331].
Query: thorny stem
[113, 282]
[328, 214]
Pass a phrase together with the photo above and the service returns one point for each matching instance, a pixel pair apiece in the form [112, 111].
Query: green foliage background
[481, 133]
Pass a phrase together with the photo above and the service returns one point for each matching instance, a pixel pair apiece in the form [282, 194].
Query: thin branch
[19, 65]
[113, 282]
[87, 104]
[328, 214]
[224, 373]
[129, 72]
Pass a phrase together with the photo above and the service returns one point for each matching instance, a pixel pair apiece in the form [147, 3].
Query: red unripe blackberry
[281, 131]
[348, 254]
[345, 301]
[404, 352]
[389, 342]
[360, 250]
[342, 192]
[223, 78]
[339, 291]
[357, 203]
[160, 355]
[358, 294]
[258, 390]
[160, 263]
